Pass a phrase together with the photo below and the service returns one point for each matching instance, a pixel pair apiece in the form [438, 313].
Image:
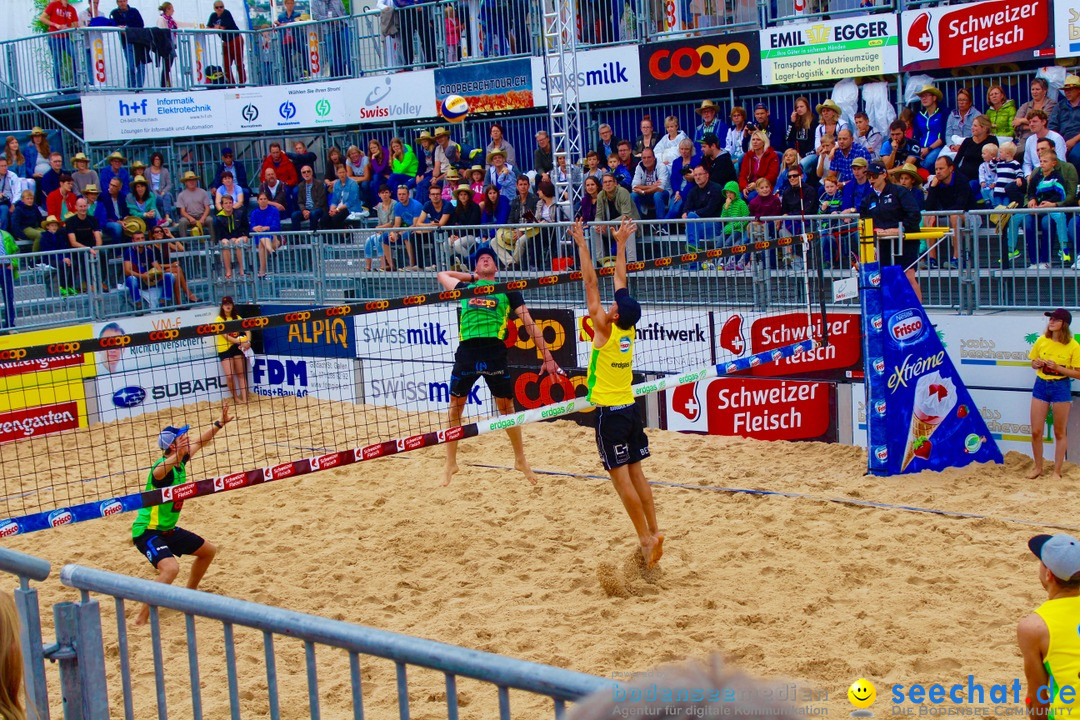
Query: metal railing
[80, 649]
[78, 285]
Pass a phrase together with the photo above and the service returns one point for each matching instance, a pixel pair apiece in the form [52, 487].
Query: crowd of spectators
[432, 198]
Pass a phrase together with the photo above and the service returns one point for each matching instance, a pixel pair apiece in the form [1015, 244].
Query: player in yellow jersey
[1048, 638]
[620, 433]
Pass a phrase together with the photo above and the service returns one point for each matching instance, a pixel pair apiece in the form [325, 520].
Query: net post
[867, 249]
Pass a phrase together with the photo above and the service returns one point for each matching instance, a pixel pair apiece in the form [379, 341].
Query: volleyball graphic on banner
[455, 108]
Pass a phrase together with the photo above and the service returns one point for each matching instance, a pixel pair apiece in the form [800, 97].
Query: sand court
[800, 588]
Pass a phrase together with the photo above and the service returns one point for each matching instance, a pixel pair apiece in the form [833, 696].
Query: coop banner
[487, 87]
[975, 33]
[921, 415]
[829, 50]
[700, 64]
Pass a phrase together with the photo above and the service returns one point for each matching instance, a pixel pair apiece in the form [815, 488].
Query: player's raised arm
[588, 279]
[626, 231]
[208, 434]
[449, 279]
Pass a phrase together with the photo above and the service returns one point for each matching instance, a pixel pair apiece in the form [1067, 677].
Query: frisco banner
[829, 50]
[922, 416]
[754, 408]
[119, 116]
[975, 33]
[610, 73]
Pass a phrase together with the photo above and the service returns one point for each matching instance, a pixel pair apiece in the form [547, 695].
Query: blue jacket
[270, 217]
[678, 183]
[23, 217]
[106, 175]
[349, 194]
[928, 130]
[854, 194]
[502, 212]
[110, 212]
[98, 210]
[1065, 119]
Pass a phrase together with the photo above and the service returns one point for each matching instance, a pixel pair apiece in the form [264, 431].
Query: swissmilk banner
[920, 415]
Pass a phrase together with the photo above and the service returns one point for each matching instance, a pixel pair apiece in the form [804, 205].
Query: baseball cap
[227, 300]
[226, 151]
[710, 139]
[484, 249]
[168, 436]
[1060, 314]
[760, 106]
[860, 162]
[875, 168]
[629, 309]
[1059, 553]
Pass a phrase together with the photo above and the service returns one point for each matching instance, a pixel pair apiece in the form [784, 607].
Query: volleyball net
[81, 409]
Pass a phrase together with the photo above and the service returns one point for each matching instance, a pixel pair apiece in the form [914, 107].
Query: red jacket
[285, 170]
[768, 167]
[53, 204]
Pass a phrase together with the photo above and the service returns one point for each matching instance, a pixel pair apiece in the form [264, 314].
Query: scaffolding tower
[563, 102]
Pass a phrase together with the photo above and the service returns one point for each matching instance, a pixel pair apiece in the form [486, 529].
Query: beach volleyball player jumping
[620, 433]
[482, 352]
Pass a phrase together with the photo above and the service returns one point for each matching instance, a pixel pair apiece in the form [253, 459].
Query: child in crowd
[734, 207]
[26, 220]
[476, 175]
[373, 246]
[1009, 181]
[453, 33]
[832, 202]
[764, 204]
[592, 166]
[54, 240]
[622, 175]
[988, 173]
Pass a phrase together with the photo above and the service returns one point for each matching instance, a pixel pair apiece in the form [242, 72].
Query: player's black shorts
[155, 545]
[620, 436]
[481, 357]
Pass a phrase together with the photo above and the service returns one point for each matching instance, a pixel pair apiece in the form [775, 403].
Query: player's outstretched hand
[551, 367]
[578, 233]
[627, 228]
[226, 418]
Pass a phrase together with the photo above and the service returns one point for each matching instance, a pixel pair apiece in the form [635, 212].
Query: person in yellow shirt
[620, 433]
[1056, 359]
[231, 348]
[1047, 637]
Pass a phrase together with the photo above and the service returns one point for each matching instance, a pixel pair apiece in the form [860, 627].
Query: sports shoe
[953, 264]
[1065, 257]
[931, 263]
[1013, 254]
[1075, 265]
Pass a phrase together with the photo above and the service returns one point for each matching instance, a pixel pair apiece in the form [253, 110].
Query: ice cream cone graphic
[935, 398]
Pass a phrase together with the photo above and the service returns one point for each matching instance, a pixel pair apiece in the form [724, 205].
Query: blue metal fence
[80, 650]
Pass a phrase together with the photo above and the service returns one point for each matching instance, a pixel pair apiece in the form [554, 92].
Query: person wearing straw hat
[145, 275]
[907, 176]
[1065, 118]
[138, 169]
[54, 240]
[115, 168]
[83, 175]
[447, 154]
[94, 207]
[193, 205]
[708, 110]
[466, 214]
[891, 207]
[930, 126]
[155, 531]
[620, 432]
[424, 149]
[500, 173]
[830, 122]
[483, 324]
